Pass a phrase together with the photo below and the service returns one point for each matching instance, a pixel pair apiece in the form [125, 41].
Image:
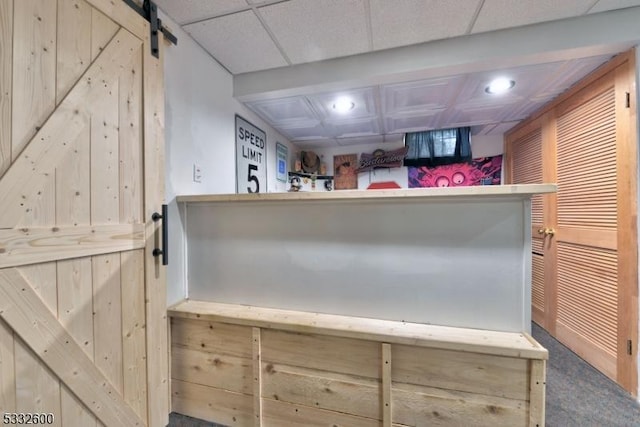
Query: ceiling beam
[588, 35]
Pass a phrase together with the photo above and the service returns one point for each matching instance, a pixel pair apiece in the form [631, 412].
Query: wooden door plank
[73, 195]
[37, 388]
[23, 311]
[34, 69]
[75, 307]
[104, 133]
[107, 317]
[41, 244]
[7, 369]
[155, 288]
[75, 301]
[41, 210]
[51, 142]
[43, 276]
[105, 191]
[131, 142]
[123, 16]
[73, 412]
[6, 68]
[74, 44]
[134, 354]
[102, 31]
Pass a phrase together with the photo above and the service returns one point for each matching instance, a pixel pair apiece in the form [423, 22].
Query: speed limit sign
[251, 158]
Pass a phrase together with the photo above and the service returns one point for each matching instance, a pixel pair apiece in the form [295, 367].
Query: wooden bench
[243, 365]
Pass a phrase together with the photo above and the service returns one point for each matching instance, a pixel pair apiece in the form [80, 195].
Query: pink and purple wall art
[481, 171]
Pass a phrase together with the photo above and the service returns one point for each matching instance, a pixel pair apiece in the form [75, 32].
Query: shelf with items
[309, 175]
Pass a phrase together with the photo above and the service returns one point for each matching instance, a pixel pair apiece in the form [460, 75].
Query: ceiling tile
[345, 142]
[496, 14]
[185, 11]
[287, 112]
[464, 115]
[312, 30]
[502, 128]
[566, 75]
[317, 144]
[603, 5]
[301, 133]
[402, 124]
[401, 23]
[527, 81]
[363, 100]
[482, 130]
[354, 127]
[522, 110]
[239, 51]
[415, 98]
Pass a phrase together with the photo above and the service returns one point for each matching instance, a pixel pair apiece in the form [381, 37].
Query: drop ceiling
[408, 65]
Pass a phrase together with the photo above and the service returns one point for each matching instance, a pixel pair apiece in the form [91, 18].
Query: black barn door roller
[149, 11]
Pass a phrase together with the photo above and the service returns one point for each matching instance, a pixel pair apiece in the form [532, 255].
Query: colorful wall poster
[344, 171]
[481, 171]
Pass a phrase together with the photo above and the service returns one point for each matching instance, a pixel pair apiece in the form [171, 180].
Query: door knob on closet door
[547, 231]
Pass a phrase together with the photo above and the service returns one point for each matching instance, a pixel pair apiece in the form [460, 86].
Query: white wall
[455, 262]
[200, 128]
[481, 146]
[487, 145]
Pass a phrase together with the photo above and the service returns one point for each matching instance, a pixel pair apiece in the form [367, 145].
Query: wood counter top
[520, 190]
[509, 344]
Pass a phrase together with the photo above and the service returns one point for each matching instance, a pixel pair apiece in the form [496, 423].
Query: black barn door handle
[165, 234]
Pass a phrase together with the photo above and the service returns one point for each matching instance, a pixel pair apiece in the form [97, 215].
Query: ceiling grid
[327, 48]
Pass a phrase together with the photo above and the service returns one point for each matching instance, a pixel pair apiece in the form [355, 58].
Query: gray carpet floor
[577, 394]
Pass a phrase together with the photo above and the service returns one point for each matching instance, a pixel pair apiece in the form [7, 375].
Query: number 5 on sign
[251, 157]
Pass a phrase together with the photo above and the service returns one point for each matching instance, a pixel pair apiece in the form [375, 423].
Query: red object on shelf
[385, 185]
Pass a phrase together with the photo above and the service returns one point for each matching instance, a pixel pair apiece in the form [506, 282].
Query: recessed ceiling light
[499, 86]
[343, 104]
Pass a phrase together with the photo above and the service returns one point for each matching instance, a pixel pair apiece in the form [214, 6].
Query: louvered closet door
[526, 152]
[587, 256]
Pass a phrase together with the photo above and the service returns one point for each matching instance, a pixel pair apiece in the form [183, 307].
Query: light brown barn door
[585, 288]
[83, 332]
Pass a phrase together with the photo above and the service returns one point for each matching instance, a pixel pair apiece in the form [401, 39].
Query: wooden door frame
[623, 68]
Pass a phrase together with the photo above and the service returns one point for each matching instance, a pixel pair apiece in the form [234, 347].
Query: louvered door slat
[587, 288]
[527, 168]
[537, 282]
[587, 164]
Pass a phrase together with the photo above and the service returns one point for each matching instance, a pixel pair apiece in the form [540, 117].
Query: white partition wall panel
[456, 261]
